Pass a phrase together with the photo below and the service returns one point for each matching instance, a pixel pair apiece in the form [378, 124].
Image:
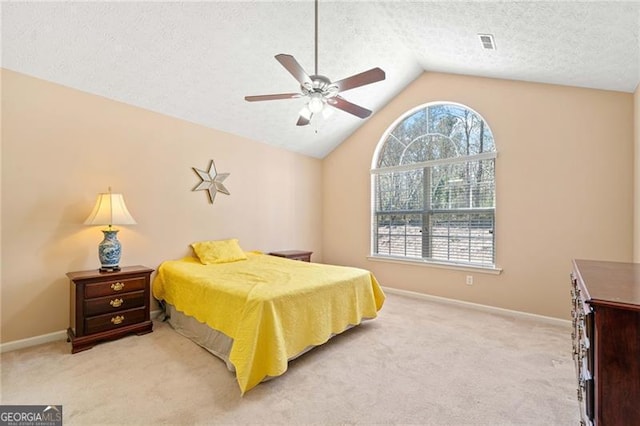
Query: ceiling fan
[319, 89]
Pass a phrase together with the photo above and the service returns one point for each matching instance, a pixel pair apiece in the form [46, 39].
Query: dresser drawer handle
[117, 319]
[117, 286]
[116, 303]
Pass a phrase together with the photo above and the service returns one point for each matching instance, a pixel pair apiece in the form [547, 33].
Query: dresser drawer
[116, 286]
[113, 320]
[114, 303]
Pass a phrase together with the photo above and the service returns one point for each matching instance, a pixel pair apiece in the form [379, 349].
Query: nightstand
[107, 306]
[302, 255]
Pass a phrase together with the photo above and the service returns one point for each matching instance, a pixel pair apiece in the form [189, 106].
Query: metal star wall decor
[211, 181]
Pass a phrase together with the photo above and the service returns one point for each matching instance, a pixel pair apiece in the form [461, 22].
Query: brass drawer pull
[116, 303]
[117, 319]
[117, 286]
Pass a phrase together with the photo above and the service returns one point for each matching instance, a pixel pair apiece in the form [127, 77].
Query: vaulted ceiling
[197, 60]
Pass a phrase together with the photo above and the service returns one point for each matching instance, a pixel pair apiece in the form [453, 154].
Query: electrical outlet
[469, 279]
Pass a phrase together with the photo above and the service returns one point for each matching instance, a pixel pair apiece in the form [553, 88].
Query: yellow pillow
[220, 251]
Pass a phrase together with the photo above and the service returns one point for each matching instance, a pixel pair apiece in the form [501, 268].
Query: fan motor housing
[319, 84]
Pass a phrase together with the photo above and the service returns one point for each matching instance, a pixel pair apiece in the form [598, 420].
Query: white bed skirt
[210, 339]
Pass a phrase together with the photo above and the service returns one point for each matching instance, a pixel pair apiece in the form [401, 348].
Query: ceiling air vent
[487, 41]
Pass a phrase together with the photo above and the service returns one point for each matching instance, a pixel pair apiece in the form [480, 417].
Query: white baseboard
[486, 308]
[33, 341]
[46, 338]
[60, 335]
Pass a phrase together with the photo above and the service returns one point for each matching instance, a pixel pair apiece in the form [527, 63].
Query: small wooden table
[302, 255]
[108, 305]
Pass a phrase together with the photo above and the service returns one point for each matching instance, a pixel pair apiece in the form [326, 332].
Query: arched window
[433, 183]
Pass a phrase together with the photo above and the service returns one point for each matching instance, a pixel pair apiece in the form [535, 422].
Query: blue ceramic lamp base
[109, 251]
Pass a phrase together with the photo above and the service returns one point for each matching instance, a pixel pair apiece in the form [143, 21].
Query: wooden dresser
[107, 306]
[606, 341]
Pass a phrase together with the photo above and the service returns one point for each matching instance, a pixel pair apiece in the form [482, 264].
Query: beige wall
[564, 189]
[60, 147]
[636, 185]
[54, 162]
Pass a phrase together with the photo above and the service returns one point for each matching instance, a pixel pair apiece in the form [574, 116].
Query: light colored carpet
[419, 362]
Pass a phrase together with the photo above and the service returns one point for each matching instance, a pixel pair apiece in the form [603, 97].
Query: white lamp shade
[110, 210]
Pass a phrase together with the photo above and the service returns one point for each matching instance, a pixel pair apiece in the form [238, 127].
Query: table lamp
[110, 210]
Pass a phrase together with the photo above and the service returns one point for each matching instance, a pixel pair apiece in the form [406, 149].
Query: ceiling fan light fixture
[306, 112]
[327, 112]
[316, 104]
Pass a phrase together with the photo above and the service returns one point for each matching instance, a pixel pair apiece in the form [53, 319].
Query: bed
[260, 311]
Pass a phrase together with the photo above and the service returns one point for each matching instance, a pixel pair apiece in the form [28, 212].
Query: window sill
[419, 262]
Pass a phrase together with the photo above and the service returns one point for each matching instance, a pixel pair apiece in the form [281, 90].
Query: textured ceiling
[197, 60]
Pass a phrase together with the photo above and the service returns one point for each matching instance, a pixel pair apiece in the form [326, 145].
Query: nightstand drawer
[116, 302]
[113, 320]
[108, 288]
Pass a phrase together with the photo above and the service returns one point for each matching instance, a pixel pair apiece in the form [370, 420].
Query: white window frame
[488, 268]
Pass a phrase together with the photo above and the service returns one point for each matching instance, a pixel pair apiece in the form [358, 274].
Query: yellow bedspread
[272, 308]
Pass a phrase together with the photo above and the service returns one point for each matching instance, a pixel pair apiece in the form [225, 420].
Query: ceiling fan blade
[272, 97]
[303, 121]
[291, 65]
[345, 105]
[366, 77]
